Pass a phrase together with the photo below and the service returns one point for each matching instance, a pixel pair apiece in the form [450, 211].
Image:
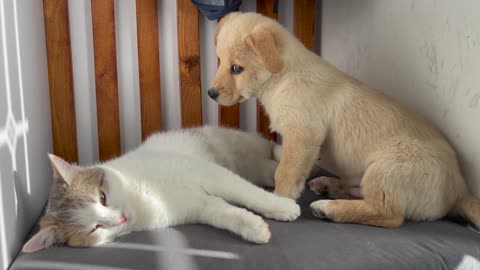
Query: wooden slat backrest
[149, 66]
[267, 8]
[304, 22]
[104, 43]
[103, 21]
[189, 63]
[229, 116]
[60, 77]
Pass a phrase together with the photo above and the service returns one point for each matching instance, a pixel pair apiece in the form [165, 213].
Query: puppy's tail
[469, 207]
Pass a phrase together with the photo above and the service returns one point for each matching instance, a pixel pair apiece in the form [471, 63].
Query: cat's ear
[43, 239]
[62, 169]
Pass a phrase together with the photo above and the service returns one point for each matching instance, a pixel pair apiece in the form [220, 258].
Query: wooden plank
[229, 116]
[149, 66]
[304, 22]
[267, 8]
[263, 123]
[60, 78]
[189, 63]
[103, 21]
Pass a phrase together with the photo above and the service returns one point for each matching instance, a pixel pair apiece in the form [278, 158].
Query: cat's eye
[96, 227]
[235, 69]
[103, 198]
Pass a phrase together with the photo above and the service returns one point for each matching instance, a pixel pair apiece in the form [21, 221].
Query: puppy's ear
[264, 43]
[222, 22]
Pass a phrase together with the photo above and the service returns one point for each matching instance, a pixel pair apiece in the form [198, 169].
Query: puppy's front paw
[320, 209]
[283, 209]
[289, 191]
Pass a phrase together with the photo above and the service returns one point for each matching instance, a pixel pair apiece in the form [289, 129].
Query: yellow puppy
[406, 167]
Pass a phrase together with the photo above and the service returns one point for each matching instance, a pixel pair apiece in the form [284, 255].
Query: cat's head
[82, 209]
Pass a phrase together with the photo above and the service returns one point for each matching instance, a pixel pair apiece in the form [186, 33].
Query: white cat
[177, 177]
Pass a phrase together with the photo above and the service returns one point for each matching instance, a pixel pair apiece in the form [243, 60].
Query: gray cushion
[307, 243]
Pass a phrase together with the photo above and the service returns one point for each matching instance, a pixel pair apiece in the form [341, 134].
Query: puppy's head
[248, 48]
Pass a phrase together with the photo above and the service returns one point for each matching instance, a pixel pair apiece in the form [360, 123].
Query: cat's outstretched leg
[235, 189]
[218, 213]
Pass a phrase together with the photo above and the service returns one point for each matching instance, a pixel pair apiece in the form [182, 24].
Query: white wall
[425, 54]
[24, 171]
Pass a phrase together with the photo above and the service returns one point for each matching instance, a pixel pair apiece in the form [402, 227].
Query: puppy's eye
[236, 69]
[103, 198]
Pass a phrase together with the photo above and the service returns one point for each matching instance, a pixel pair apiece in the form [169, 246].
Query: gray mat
[307, 243]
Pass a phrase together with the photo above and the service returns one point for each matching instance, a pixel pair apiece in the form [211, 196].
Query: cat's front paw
[283, 209]
[259, 231]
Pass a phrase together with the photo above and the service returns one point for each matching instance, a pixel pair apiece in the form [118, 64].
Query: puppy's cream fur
[407, 168]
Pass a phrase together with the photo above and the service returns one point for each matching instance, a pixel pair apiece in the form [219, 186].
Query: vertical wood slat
[189, 63]
[149, 66]
[60, 77]
[106, 83]
[229, 116]
[304, 22]
[267, 8]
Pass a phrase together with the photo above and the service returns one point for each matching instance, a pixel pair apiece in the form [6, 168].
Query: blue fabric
[216, 9]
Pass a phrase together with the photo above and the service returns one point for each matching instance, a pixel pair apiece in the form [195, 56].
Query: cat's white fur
[188, 176]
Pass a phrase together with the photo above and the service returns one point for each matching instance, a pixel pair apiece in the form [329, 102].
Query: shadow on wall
[25, 130]
[12, 132]
[12, 212]
[15, 186]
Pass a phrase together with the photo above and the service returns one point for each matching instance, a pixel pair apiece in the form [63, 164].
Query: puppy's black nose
[213, 94]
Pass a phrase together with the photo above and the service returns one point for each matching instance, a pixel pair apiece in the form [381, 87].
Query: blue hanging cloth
[216, 9]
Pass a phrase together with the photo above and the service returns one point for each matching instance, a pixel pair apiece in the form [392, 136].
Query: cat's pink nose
[123, 219]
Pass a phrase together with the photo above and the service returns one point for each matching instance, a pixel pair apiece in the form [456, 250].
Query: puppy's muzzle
[213, 93]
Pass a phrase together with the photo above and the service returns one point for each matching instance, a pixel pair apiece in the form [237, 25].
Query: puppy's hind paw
[329, 187]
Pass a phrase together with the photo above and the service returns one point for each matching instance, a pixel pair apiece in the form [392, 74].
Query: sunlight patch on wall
[10, 133]
[24, 122]
[12, 130]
